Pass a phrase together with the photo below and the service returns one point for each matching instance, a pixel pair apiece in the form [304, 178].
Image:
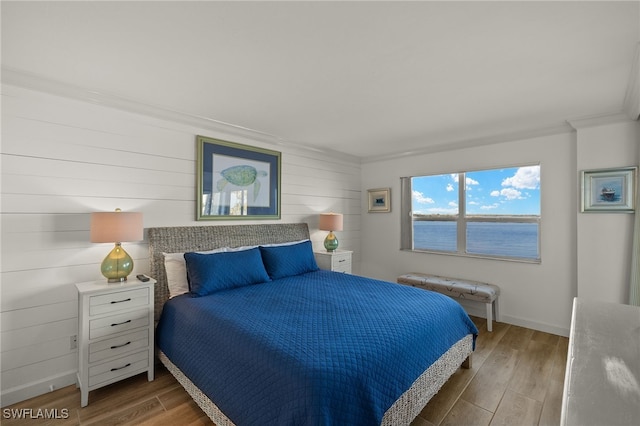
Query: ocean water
[490, 238]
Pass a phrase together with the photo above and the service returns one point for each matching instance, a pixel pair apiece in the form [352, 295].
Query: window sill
[477, 256]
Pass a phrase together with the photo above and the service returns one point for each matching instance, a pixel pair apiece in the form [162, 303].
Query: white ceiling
[363, 78]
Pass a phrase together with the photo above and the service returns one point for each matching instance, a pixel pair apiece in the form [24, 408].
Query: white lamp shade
[116, 227]
[330, 222]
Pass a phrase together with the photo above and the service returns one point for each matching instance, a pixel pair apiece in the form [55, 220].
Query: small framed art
[236, 181]
[609, 190]
[379, 200]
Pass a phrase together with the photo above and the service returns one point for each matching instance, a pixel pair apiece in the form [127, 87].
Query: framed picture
[609, 190]
[236, 181]
[379, 200]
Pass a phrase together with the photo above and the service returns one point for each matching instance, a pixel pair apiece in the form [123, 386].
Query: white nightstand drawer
[118, 301]
[118, 367]
[101, 327]
[118, 345]
[337, 261]
[115, 333]
[342, 265]
[341, 259]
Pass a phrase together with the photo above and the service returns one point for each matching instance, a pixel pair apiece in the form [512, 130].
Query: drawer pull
[119, 346]
[120, 368]
[120, 323]
[342, 260]
[120, 301]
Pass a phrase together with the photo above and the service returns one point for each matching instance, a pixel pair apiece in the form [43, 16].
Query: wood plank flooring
[516, 379]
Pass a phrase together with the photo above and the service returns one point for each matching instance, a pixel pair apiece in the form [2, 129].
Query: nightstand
[337, 260]
[115, 333]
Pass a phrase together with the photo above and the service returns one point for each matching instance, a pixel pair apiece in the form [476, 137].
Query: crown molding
[42, 84]
[39, 83]
[632, 96]
[598, 119]
[523, 134]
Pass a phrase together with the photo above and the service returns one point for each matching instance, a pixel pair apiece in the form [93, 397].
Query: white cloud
[453, 204]
[508, 193]
[511, 194]
[490, 207]
[469, 183]
[420, 198]
[450, 188]
[468, 180]
[525, 178]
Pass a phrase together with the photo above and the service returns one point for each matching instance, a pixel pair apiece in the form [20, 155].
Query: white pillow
[288, 243]
[240, 248]
[176, 270]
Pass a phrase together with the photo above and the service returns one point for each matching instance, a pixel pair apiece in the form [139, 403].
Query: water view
[497, 239]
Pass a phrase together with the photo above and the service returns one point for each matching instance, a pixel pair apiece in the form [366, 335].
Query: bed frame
[199, 238]
[183, 239]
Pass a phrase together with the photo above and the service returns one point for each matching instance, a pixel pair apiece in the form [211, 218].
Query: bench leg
[489, 316]
[495, 303]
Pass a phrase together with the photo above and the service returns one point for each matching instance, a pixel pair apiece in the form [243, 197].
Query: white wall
[533, 295]
[64, 158]
[585, 255]
[605, 239]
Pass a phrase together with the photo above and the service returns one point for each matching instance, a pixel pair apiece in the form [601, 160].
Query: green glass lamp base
[117, 265]
[331, 242]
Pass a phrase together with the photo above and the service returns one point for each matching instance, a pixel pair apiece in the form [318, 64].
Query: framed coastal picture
[609, 190]
[236, 181]
[379, 200]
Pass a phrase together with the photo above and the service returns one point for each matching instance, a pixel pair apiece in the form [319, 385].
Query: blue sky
[510, 191]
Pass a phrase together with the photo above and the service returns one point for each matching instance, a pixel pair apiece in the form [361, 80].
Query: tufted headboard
[182, 239]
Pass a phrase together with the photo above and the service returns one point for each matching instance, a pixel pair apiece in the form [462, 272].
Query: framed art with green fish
[236, 181]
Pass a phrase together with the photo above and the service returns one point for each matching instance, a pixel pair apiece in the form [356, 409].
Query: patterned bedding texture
[319, 348]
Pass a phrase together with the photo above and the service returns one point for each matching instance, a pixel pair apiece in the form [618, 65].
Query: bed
[264, 337]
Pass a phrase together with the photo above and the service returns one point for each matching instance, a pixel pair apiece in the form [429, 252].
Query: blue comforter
[321, 348]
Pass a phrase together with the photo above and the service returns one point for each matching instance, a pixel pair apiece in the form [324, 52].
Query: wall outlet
[73, 344]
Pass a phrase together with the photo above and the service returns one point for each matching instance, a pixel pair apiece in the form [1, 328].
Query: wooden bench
[458, 289]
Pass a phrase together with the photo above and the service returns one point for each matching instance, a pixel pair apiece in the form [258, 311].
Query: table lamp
[330, 222]
[116, 227]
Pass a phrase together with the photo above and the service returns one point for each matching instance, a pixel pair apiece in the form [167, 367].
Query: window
[495, 213]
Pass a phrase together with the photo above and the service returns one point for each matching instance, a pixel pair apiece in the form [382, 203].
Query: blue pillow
[208, 273]
[285, 261]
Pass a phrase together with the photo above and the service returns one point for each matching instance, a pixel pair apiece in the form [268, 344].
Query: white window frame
[406, 225]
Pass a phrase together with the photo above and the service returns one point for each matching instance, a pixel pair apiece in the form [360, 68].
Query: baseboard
[30, 390]
[479, 310]
[547, 328]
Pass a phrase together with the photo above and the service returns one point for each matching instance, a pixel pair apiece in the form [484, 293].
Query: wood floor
[516, 379]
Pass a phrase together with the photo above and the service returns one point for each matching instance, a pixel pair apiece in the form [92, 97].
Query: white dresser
[115, 332]
[602, 381]
[337, 260]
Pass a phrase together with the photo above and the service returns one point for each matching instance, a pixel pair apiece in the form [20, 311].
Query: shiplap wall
[63, 158]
